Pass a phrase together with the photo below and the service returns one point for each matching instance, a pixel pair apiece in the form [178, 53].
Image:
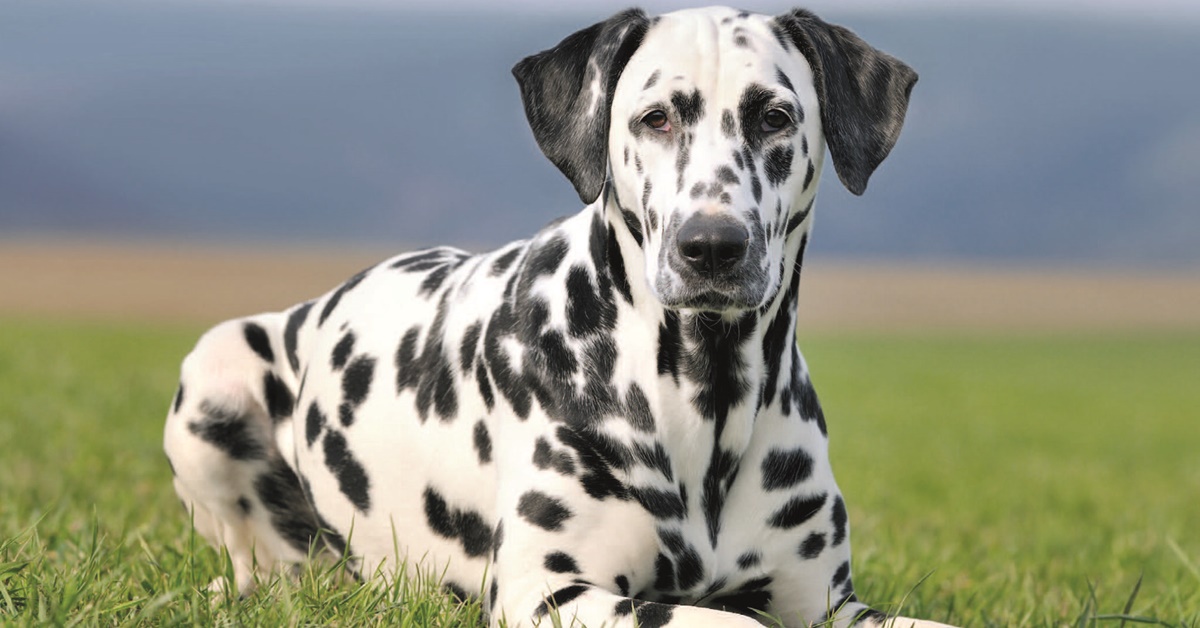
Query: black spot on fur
[485, 387]
[278, 396]
[511, 385]
[689, 568]
[559, 360]
[749, 560]
[430, 372]
[244, 505]
[291, 332]
[778, 164]
[543, 511]
[588, 311]
[670, 345]
[559, 598]
[559, 562]
[351, 477]
[545, 457]
[622, 585]
[598, 455]
[796, 219]
[342, 351]
[656, 458]
[178, 397]
[467, 526]
[650, 82]
[637, 409]
[407, 369]
[683, 154]
[456, 591]
[841, 575]
[483, 442]
[658, 502]
[633, 225]
[470, 341]
[434, 280]
[257, 338]
[504, 261]
[805, 396]
[230, 432]
[497, 540]
[334, 541]
[727, 176]
[356, 381]
[421, 260]
[812, 546]
[616, 267]
[664, 573]
[689, 107]
[785, 469]
[646, 614]
[752, 105]
[798, 510]
[313, 424]
[755, 184]
[752, 595]
[279, 491]
[346, 414]
[722, 468]
[839, 519]
[809, 174]
[787, 83]
[728, 124]
[780, 335]
[546, 258]
[337, 295]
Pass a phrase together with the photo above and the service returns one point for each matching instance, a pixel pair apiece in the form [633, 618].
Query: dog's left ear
[863, 94]
[567, 91]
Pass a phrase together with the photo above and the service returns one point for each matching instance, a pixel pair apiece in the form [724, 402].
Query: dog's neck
[733, 368]
[738, 360]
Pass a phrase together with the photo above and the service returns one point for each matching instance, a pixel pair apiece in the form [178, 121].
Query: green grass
[1016, 480]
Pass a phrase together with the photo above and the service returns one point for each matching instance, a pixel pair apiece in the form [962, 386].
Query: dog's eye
[657, 120]
[775, 120]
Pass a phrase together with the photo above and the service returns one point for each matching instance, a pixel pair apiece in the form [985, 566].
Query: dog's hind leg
[235, 396]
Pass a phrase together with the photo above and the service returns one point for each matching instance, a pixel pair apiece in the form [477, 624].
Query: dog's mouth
[713, 295]
[708, 301]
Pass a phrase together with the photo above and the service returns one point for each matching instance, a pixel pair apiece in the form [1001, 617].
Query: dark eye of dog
[657, 120]
[774, 120]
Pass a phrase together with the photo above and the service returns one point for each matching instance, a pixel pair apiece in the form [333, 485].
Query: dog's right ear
[863, 93]
[567, 91]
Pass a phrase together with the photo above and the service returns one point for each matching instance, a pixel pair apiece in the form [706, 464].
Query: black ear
[863, 94]
[567, 91]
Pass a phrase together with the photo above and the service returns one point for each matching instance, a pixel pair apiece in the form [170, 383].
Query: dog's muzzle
[717, 263]
[712, 245]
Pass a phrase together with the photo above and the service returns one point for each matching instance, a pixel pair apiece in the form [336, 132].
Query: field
[999, 475]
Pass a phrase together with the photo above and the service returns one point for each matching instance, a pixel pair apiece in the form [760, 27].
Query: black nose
[712, 244]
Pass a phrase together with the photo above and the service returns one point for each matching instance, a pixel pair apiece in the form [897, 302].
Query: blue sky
[1137, 9]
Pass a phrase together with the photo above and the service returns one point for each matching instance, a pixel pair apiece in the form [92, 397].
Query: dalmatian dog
[610, 421]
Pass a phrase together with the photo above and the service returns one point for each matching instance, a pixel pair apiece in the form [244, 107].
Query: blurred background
[1044, 137]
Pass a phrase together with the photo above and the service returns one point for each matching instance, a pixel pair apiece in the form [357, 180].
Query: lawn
[991, 480]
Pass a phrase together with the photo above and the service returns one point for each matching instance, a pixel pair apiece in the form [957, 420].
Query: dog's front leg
[560, 551]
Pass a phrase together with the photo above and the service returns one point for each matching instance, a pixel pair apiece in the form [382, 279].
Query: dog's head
[712, 124]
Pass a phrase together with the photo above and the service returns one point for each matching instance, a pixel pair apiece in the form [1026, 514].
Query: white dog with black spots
[610, 420]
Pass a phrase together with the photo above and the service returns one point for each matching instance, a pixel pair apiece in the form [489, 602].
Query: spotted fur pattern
[610, 420]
